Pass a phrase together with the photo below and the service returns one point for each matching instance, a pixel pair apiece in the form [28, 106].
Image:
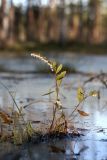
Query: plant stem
[57, 88]
[54, 114]
[78, 105]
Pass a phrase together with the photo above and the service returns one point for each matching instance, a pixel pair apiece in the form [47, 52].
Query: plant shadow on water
[58, 149]
[63, 134]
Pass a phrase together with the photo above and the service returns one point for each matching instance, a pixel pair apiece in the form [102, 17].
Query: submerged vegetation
[13, 125]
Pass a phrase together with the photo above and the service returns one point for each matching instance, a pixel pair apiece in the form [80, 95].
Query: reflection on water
[85, 148]
[28, 88]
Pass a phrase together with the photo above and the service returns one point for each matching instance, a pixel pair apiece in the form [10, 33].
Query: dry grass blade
[48, 93]
[5, 117]
[11, 96]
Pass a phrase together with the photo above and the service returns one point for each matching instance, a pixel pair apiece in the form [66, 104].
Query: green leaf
[61, 75]
[80, 94]
[59, 69]
[29, 129]
[93, 93]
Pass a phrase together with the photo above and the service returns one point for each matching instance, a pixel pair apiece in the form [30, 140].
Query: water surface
[27, 82]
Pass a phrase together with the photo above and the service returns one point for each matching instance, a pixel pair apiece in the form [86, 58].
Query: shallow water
[93, 145]
[83, 63]
[26, 86]
[30, 90]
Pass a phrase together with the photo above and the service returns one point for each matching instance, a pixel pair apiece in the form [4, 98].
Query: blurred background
[72, 33]
[76, 25]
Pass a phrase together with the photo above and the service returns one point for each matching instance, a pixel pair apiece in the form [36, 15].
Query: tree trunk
[4, 22]
[30, 22]
[94, 19]
[63, 24]
[80, 29]
[11, 23]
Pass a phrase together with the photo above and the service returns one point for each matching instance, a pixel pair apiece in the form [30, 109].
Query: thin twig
[78, 105]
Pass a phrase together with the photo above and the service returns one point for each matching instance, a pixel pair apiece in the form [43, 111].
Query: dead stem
[54, 114]
[100, 77]
[78, 105]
